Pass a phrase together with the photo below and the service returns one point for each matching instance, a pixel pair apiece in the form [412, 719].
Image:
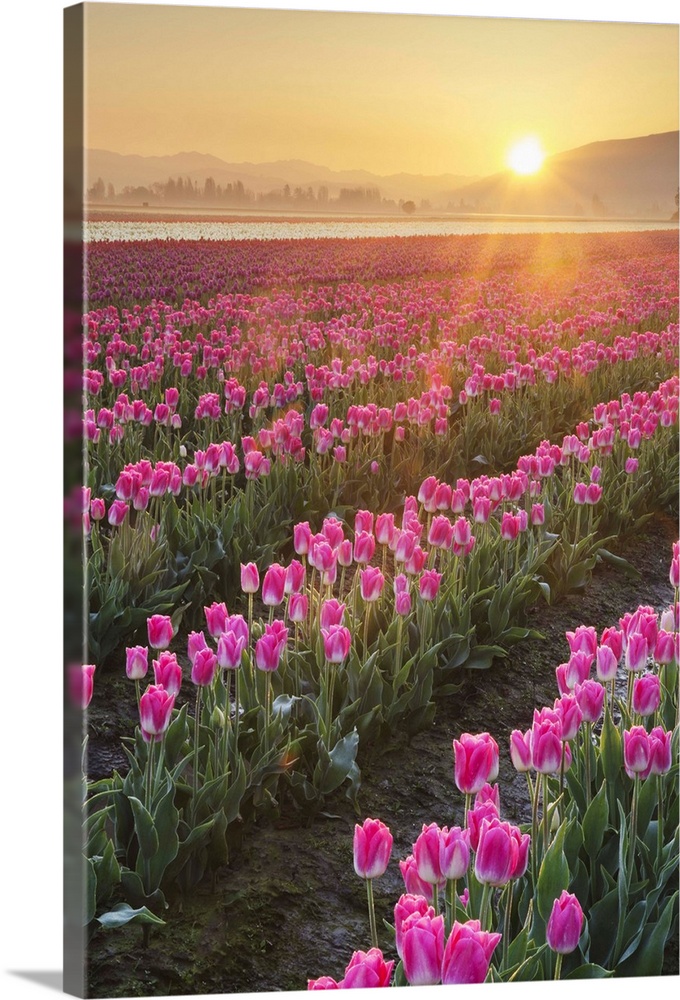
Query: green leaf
[124, 914]
[341, 758]
[648, 958]
[595, 823]
[553, 876]
[144, 828]
[610, 748]
[590, 971]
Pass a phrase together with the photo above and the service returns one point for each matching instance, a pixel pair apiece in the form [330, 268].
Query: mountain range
[615, 177]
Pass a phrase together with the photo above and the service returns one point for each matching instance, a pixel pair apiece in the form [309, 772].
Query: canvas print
[372, 553]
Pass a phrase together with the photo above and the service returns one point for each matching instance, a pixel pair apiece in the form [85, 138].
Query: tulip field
[348, 498]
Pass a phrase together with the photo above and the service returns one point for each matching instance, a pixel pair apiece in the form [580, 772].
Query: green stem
[435, 898]
[633, 827]
[533, 793]
[484, 906]
[371, 913]
[506, 921]
[268, 708]
[468, 802]
[659, 837]
[451, 903]
[558, 967]
[197, 718]
[586, 747]
[544, 784]
[237, 705]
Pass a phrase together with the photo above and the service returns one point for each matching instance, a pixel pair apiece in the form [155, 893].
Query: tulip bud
[646, 694]
[468, 953]
[423, 949]
[136, 662]
[372, 848]
[367, 969]
[159, 629]
[564, 924]
[250, 578]
[476, 761]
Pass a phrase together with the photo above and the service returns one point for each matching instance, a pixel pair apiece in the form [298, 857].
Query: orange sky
[386, 93]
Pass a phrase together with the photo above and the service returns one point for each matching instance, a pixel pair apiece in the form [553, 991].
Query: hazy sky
[386, 93]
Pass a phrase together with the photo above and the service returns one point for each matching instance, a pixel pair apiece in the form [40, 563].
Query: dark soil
[289, 906]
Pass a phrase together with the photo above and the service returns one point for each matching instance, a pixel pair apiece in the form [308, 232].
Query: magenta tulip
[372, 848]
[216, 619]
[332, 613]
[298, 607]
[422, 945]
[371, 583]
[230, 650]
[367, 969]
[636, 750]
[426, 854]
[546, 744]
[606, 664]
[636, 651]
[520, 750]
[429, 584]
[322, 983]
[159, 629]
[476, 761]
[407, 905]
[454, 852]
[269, 649]
[337, 641]
[497, 853]
[136, 662]
[195, 643]
[467, 953]
[81, 684]
[590, 698]
[273, 585]
[646, 694]
[155, 709]
[250, 578]
[204, 667]
[564, 924]
[168, 673]
[660, 751]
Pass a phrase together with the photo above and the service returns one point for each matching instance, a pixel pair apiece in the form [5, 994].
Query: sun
[526, 156]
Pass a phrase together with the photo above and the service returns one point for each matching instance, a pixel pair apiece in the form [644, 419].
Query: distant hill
[618, 177]
[136, 171]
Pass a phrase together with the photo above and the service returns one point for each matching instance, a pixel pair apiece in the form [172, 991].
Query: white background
[30, 444]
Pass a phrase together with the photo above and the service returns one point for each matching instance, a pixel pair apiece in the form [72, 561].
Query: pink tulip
[402, 604]
[407, 905]
[136, 662]
[580, 493]
[372, 848]
[546, 743]
[384, 528]
[584, 638]
[636, 750]
[216, 619]
[337, 641]
[440, 533]
[613, 638]
[646, 694]
[250, 578]
[520, 750]
[81, 684]
[454, 852]
[467, 953]
[497, 853]
[412, 880]
[301, 538]
[332, 613]
[367, 969]
[273, 585]
[298, 607]
[636, 652]
[426, 854]
[364, 547]
[322, 983]
[427, 494]
[230, 650]
[664, 649]
[660, 751]
[344, 552]
[117, 513]
[168, 673]
[239, 626]
[482, 811]
[155, 709]
[269, 647]
[570, 716]
[363, 521]
[422, 946]
[476, 761]
[429, 584]
[590, 698]
[195, 643]
[159, 629]
[204, 667]
[564, 924]
[606, 664]
[371, 583]
[295, 577]
[97, 509]
[537, 514]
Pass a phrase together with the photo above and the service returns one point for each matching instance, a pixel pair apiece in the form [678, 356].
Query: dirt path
[289, 906]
